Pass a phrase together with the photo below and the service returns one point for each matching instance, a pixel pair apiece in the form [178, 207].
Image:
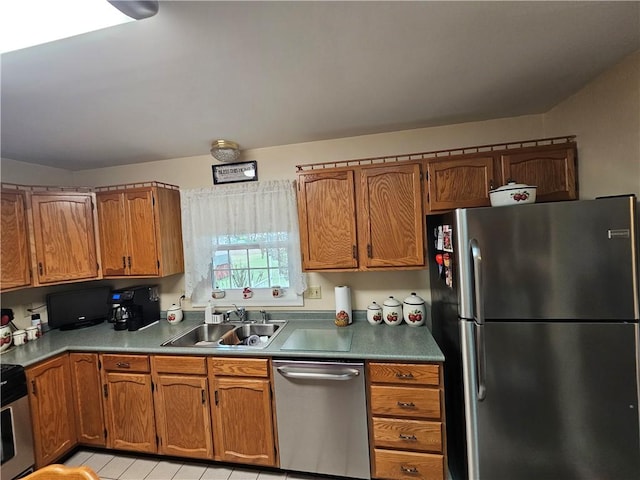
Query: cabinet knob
[406, 404]
[408, 438]
[404, 376]
[123, 365]
[124, 262]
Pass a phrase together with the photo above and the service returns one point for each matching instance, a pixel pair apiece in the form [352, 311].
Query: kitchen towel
[343, 305]
[251, 340]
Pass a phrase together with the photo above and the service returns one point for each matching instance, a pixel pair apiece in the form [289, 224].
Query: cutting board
[319, 340]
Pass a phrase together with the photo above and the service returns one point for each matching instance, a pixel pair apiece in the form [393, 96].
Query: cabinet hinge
[105, 390]
[354, 251]
[369, 254]
[215, 396]
[33, 387]
[204, 398]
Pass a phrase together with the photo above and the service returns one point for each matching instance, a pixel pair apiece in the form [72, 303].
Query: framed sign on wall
[235, 172]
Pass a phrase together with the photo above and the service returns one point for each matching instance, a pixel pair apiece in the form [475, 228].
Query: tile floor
[128, 467]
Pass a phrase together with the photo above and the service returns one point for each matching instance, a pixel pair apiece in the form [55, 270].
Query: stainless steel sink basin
[228, 335]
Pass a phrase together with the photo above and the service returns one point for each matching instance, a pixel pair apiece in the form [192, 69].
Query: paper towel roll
[343, 306]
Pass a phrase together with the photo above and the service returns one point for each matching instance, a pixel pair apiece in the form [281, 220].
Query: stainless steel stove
[16, 448]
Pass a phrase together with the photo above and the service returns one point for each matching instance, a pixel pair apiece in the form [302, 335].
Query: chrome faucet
[240, 312]
[265, 316]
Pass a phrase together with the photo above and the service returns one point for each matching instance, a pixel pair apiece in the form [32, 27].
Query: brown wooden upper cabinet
[14, 254]
[390, 215]
[140, 230]
[327, 212]
[551, 168]
[462, 181]
[64, 237]
[361, 218]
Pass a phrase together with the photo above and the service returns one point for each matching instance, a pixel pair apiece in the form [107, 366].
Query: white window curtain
[237, 209]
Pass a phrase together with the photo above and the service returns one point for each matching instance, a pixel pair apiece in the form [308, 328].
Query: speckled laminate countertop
[369, 342]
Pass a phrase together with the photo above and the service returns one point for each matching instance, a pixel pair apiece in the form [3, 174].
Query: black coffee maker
[134, 307]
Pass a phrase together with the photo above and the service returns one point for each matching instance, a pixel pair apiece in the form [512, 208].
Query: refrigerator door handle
[476, 258]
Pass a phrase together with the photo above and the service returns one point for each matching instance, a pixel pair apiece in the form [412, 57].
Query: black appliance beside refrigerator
[536, 308]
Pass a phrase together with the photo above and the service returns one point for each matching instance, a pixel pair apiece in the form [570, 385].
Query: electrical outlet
[314, 292]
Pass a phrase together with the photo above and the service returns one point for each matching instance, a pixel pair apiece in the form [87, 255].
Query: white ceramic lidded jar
[392, 311]
[174, 314]
[415, 311]
[374, 314]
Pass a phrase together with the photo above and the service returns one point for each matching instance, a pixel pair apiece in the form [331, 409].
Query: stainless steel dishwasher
[321, 414]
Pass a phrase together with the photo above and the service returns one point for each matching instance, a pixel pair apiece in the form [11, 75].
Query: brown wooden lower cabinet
[242, 411]
[407, 421]
[87, 394]
[182, 410]
[52, 410]
[128, 402]
[408, 465]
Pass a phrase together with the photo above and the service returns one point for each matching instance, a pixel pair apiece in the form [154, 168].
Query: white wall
[604, 116]
[23, 173]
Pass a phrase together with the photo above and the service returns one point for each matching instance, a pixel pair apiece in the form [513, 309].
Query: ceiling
[274, 73]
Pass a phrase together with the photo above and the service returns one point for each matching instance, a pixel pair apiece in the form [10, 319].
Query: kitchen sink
[228, 335]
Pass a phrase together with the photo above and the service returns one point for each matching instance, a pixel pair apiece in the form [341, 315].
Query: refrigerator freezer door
[561, 402]
[552, 261]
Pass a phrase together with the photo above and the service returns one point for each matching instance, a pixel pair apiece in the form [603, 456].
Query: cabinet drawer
[405, 401]
[240, 367]
[179, 364]
[126, 363]
[407, 434]
[408, 465]
[402, 373]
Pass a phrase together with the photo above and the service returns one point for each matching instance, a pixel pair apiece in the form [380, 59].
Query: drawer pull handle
[408, 438]
[123, 365]
[406, 404]
[408, 469]
[405, 376]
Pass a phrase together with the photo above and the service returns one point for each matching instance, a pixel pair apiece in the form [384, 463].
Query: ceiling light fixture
[137, 9]
[225, 151]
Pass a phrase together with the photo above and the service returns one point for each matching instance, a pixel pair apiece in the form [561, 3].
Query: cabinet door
[552, 170]
[391, 216]
[243, 421]
[87, 393]
[113, 235]
[142, 258]
[459, 183]
[65, 238]
[326, 207]
[183, 416]
[14, 255]
[129, 410]
[52, 409]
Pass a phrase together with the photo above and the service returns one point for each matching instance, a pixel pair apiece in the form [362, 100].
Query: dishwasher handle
[340, 373]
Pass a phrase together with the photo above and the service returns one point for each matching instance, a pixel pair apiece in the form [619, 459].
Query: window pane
[257, 258]
[260, 278]
[238, 259]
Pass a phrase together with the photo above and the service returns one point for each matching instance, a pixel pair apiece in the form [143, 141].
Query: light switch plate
[314, 292]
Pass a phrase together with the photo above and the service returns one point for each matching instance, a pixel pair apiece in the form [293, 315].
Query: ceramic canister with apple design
[414, 310]
[392, 311]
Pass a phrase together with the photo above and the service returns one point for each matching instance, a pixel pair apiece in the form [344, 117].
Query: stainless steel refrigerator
[536, 310]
